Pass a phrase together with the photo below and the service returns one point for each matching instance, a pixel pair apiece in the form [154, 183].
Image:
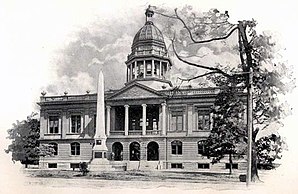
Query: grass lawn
[167, 176]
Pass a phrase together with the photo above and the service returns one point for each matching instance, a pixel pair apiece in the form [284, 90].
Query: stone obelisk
[100, 161]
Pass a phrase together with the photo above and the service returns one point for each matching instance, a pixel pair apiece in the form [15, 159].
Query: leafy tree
[269, 148]
[189, 31]
[226, 137]
[25, 145]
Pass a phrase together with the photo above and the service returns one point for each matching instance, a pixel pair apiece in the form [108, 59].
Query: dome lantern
[149, 14]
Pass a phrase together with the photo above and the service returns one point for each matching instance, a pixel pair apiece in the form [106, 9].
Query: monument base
[100, 164]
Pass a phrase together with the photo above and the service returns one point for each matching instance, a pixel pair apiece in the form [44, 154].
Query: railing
[153, 132]
[68, 98]
[186, 92]
[135, 132]
[147, 52]
[117, 132]
[73, 97]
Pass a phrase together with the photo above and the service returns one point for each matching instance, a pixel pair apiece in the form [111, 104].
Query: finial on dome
[149, 13]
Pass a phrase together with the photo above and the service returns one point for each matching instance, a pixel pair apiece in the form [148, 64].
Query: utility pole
[248, 67]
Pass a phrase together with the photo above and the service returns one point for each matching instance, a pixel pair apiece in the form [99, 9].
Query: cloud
[95, 61]
[77, 84]
[98, 46]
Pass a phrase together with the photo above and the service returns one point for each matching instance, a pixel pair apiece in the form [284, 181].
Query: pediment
[135, 91]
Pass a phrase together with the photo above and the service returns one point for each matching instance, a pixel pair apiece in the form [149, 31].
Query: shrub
[84, 168]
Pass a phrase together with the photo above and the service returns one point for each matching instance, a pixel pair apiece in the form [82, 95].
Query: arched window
[152, 151]
[75, 148]
[201, 147]
[134, 151]
[54, 146]
[176, 147]
[117, 151]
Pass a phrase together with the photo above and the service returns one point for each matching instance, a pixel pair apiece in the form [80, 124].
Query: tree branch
[202, 75]
[197, 65]
[202, 41]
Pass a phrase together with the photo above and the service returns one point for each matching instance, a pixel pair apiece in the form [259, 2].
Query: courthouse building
[149, 125]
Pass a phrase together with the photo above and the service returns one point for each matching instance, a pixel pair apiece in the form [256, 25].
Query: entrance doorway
[117, 149]
[152, 151]
[134, 151]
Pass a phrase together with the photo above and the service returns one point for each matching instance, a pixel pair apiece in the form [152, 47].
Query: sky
[59, 46]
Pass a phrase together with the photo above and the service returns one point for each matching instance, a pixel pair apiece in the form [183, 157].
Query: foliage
[25, 145]
[269, 148]
[84, 168]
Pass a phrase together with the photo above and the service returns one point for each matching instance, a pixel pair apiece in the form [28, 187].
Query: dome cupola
[149, 57]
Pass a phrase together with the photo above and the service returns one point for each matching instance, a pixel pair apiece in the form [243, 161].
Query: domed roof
[148, 32]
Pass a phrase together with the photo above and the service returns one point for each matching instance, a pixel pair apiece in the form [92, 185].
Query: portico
[136, 119]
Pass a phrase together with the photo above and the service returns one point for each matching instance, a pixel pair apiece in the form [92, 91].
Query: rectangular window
[176, 165]
[203, 120]
[203, 165]
[53, 124]
[74, 165]
[176, 147]
[177, 122]
[98, 154]
[234, 166]
[52, 165]
[75, 123]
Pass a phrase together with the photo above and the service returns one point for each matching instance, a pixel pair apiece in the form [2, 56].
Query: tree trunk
[254, 161]
[26, 162]
[231, 163]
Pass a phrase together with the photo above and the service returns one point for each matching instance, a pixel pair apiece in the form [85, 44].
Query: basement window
[74, 165]
[203, 165]
[176, 165]
[52, 165]
[234, 166]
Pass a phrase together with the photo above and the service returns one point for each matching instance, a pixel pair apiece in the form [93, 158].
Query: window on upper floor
[176, 147]
[177, 121]
[203, 120]
[53, 124]
[75, 149]
[75, 124]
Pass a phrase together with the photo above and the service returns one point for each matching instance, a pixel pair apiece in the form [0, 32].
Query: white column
[60, 125]
[131, 71]
[145, 69]
[152, 68]
[127, 74]
[82, 124]
[108, 124]
[160, 69]
[144, 119]
[136, 70]
[163, 127]
[126, 120]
